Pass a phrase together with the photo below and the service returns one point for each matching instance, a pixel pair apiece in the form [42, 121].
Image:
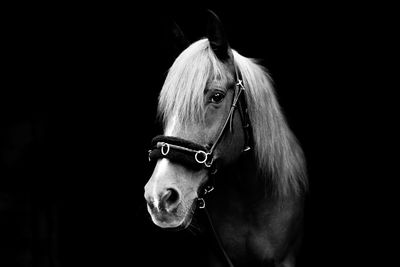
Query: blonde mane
[277, 152]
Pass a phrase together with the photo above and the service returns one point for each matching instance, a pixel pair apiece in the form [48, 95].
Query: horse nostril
[170, 198]
[174, 196]
[150, 203]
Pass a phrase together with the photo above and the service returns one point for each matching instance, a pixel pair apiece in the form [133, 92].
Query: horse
[227, 150]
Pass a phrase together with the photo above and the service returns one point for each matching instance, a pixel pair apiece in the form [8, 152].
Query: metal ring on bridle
[208, 164]
[201, 203]
[204, 156]
[162, 149]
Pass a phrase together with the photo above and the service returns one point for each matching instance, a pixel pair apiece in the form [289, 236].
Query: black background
[78, 108]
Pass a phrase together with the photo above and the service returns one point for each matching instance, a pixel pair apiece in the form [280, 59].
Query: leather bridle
[196, 156]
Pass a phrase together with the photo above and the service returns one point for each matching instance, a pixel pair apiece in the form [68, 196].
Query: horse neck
[241, 193]
[243, 208]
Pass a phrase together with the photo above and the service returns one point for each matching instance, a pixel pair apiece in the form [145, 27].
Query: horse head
[198, 104]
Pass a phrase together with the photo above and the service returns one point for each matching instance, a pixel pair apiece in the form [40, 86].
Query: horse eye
[217, 97]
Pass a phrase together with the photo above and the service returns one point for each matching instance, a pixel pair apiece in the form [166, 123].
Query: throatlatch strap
[187, 153]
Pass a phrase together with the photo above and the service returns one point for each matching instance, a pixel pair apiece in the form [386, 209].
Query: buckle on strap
[240, 84]
[200, 200]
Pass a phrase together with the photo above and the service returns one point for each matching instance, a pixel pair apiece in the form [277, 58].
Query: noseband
[195, 156]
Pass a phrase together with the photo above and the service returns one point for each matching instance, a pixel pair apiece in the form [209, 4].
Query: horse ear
[217, 37]
[179, 42]
[173, 41]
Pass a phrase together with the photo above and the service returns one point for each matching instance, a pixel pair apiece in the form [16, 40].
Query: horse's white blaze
[172, 123]
[158, 181]
[159, 172]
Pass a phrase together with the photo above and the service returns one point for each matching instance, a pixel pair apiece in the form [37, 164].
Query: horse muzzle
[168, 210]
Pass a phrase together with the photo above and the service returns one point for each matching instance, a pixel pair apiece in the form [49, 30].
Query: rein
[196, 156]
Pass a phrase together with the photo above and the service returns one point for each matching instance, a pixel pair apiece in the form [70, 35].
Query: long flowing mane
[278, 155]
